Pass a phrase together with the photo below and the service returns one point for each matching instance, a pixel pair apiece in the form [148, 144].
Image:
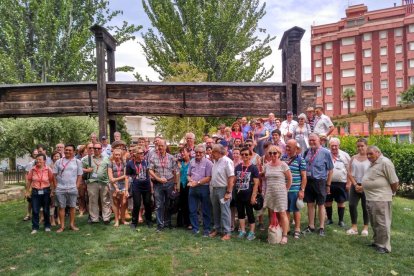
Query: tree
[20, 136]
[216, 36]
[407, 97]
[347, 95]
[50, 41]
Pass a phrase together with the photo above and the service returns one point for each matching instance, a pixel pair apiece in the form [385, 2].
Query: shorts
[66, 199]
[292, 197]
[338, 193]
[315, 191]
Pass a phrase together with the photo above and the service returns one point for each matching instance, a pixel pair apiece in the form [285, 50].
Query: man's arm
[328, 181]
[394, 187]
[331, 129]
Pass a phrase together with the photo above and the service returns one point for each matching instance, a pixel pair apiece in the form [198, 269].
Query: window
[328, 76]
[367, 69]
[382, 34]
[366, 37]
[328, 45]
[367, 102]
[399, 82]
[318, 63]
[348, 57]
[367, 85]
[384, 100]
[384, 84]
[411, 80]
[318, 78]
[318, 93]
[345, 104]
[411, 63]
[411, 28]
[367, 53]
[398, 65]
[384, 67]
[318, 48]
[348, 41]
[329, 106]
[398, 99]
[328, 91]
[348, 73]
[383, 51]
[398, 32]
[328, 61]
[398, 49]
[411, 46]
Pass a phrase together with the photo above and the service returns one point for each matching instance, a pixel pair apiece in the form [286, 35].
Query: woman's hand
[253, 199]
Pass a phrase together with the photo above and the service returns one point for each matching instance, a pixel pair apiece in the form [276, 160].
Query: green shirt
[100, 169]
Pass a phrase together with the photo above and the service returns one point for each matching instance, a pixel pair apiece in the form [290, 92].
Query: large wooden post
[105, 42]
[371, 119]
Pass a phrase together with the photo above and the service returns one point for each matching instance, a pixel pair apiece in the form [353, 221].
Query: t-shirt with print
[297, 165]
[100, 169]
[139, 174]
[67, 172]
[244, 180]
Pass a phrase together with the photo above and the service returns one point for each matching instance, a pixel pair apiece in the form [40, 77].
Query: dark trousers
[162, 201]
[39, 201]
[244, 207]
[354, 198]
[195, 196]
[137, 195]
[183, 216]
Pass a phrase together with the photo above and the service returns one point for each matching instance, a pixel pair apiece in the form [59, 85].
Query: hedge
[401, 154]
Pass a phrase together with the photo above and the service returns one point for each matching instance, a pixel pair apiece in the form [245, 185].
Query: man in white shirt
[222, 181]
[106, 148]
[322, 124]
[287, 126]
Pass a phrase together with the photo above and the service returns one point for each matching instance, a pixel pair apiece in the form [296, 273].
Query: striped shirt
[296, 166]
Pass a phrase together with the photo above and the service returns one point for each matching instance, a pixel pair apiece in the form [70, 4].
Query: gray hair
[303, 116]
[315, 135]
[201, 147]
[219, 148]
[374, 148]
[334, 139]
[190, 135]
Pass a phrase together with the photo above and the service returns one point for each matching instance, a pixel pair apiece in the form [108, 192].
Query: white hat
[300, 204]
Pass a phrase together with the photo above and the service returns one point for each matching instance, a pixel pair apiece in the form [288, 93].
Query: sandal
[296, 234]
[284, 239]
[26, 218]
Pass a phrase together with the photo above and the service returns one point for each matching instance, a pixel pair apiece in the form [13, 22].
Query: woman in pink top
[236, 131]
[41, 185]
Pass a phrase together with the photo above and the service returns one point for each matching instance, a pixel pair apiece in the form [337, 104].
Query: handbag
[274, 233]
[259, 202]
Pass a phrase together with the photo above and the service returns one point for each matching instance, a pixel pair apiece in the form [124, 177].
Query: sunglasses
[244, 154]
[97, 148]
[90, 147]
[273, 153]
[249, 145]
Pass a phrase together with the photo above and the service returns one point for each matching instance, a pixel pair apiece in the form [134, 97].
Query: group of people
[224, 177]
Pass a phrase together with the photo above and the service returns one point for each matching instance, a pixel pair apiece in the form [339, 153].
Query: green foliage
[122, 128]
[50, 41]
[401, 154]
[407, 97]
[20, 136]
[216, 36]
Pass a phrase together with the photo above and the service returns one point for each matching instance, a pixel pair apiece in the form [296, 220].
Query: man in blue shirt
[319, 167]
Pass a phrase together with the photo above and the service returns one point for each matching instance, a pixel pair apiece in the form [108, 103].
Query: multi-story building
[371, 52]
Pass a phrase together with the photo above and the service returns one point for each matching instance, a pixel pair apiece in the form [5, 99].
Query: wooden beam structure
[148, 98]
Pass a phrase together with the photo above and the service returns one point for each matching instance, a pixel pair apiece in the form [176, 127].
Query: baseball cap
[289, 113]
[103, 138]
[224, 143]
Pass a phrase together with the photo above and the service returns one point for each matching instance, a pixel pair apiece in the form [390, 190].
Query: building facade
[370, 52]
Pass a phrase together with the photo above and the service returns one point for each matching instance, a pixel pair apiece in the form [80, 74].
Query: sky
[281, 15]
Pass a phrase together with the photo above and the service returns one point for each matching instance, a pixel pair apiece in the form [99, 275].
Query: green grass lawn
[104, 250]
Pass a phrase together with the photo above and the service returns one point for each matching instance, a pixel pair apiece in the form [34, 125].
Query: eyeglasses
[97, 148]
[273, 153]
[249, 145]
[90, 147]
[244, 154]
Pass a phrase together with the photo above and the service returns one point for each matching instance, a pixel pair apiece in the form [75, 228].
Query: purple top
[199, 170]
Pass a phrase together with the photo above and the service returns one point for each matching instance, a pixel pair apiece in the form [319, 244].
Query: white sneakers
[33, 232]
[351, 231]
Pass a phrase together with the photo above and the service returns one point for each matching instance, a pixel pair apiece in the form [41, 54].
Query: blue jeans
[162, 201]
[195, 196]
[221, 212]
[38, 201]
